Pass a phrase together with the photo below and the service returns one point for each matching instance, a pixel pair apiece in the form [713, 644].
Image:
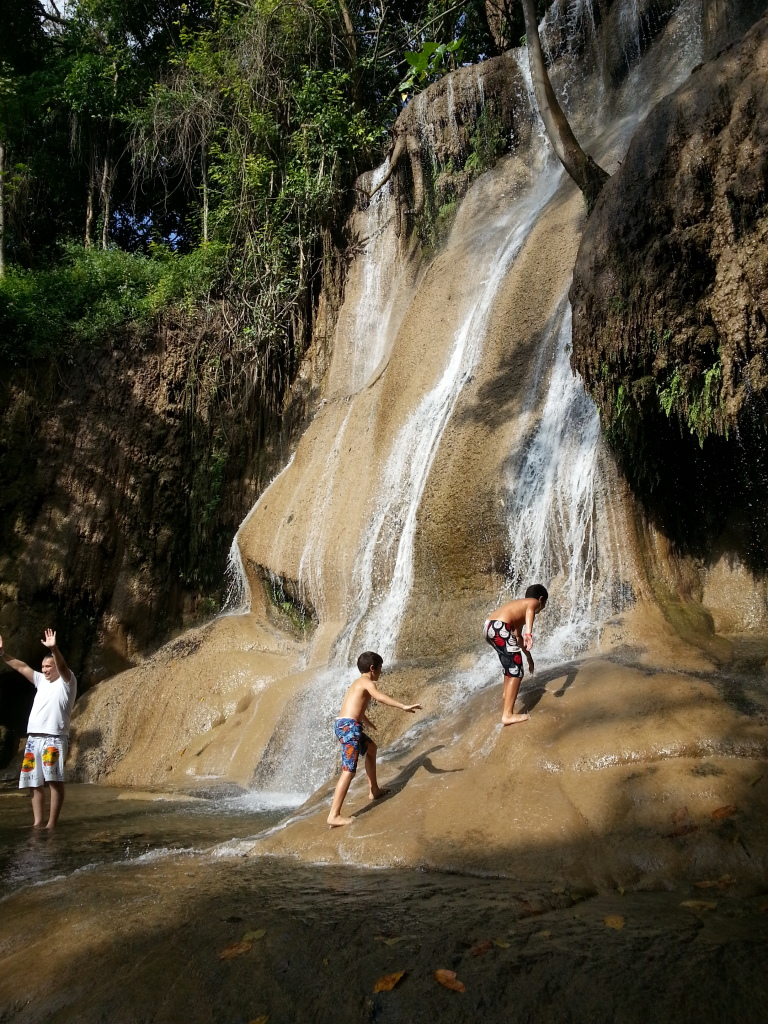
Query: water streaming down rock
[557, 534]
[380, 605]
[237, 600]
[395, 401]
[381, 274]
[561, 529]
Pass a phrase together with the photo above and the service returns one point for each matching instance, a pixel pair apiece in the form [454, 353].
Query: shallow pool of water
[101, 825]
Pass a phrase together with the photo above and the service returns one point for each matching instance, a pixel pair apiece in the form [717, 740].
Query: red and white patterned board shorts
[502, 639]
[43, 762]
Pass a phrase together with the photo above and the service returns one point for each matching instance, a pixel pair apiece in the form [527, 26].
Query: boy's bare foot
[338, 820]
[378, 794]
[514, 719]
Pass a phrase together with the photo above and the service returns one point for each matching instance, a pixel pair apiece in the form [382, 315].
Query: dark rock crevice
[670, 302]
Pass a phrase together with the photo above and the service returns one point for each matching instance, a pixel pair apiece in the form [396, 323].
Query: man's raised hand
[49, 640]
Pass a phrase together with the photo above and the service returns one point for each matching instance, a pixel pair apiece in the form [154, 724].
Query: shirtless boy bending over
[509, 630]
[349, 730]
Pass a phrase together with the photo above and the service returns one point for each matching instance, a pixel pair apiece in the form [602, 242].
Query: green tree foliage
[199, 154]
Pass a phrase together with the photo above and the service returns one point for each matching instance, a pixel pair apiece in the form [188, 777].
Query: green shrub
[92, 293]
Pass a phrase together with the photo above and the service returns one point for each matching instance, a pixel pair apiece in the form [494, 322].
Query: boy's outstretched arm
[49, 641]
[19, 666]
[382, 698]
[530, 614]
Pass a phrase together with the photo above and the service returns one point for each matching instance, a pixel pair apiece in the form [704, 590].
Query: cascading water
[374, 324]
[389, 541]
[555, 533]
[237, 600]
[562, 528]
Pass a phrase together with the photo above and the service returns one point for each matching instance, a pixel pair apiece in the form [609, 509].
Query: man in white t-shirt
[48, 728]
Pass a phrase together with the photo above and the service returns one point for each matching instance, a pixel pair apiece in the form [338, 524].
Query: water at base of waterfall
[98, 826]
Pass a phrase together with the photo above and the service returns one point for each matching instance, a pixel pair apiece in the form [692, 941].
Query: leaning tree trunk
[90, 206]
[588, 175]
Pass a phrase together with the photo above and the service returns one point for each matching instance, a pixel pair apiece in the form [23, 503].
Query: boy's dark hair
[538, 591]
[369, 660]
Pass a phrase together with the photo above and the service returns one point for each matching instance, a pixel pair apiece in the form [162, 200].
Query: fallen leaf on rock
[388, 982]
[501, 943]
[449, 980]
[542, 935]
[390, 941]
[559, 891]
[615, 921]
[724, 880]
[255, 936]
[680, 813]
[706, 885]
[529, 910]
[326, 961]
[721, 813]
[621, 890]
[235, 949]
[260, 1020]
[683, 830]
[481, 947]
[699, 904]
[754, 782]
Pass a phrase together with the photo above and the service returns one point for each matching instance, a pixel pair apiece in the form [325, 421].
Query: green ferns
[698, 404]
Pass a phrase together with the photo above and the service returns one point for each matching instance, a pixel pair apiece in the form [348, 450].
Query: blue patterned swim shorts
[353, 741]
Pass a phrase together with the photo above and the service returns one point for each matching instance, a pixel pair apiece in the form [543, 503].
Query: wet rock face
[670, 304]
[125, 475]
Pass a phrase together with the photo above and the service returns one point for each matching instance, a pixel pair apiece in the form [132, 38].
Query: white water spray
[389, 540]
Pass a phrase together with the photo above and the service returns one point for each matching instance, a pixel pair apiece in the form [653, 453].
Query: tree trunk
[588, 175]
[105, 200]
[90, 206]
[2, 208]
[204, 167]
[397, 152]
[351, 42]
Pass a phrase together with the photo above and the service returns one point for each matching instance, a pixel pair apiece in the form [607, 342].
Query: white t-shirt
[52, 708]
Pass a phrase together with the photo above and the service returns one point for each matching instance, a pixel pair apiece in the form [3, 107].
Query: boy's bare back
[514, 613]
[357, 698]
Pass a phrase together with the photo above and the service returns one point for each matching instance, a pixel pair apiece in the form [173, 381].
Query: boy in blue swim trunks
[509, 630]
[349, 731]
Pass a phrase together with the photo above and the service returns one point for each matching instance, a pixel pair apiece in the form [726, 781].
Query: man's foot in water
[378, 794]
[513, 719]
[338, 820]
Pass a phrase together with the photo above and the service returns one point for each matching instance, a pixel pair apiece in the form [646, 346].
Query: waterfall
[380, 279]
[237, 600]
[555, 534]
[389, 540]
[561, 524]
[310, 565]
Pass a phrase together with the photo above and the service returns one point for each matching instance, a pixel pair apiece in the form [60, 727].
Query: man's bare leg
[57, 799]
[370, 771]
[38, 805]
[511, 686]
[342, 788]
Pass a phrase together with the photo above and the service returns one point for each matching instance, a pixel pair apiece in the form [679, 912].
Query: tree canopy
[214, 143]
